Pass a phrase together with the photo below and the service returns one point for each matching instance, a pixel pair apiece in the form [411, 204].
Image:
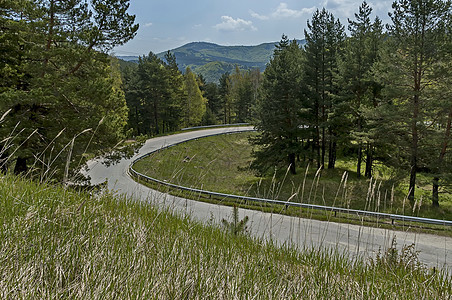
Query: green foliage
[360, 91]
[324, 45]
[214, 109]
[244, 87]
[194, 104]
[236, 226]
[419, 33]
[60, 85]
[154, 91]
[212, 71]
[211, 60]
[278, 111]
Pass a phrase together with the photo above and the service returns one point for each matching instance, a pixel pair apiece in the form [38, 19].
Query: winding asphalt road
[434, 251]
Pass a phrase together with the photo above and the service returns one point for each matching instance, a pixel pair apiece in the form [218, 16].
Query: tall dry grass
[56, 243]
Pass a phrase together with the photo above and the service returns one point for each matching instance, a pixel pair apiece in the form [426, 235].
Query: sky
[168, 24]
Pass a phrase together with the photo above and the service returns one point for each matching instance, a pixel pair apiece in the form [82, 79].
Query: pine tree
[226, 98]
[324, 39]
[213, 109]
[172, 108]
[278, 112]
[356, 78]
[60, 81]
[408, 71]
[440, 141]
[236, 226]
[243, 94]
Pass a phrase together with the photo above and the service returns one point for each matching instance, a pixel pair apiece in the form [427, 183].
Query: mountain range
[212, 60]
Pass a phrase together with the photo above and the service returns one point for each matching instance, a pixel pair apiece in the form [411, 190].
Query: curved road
[434, 251]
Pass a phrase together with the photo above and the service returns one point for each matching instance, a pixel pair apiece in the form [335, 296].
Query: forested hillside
[212, 60]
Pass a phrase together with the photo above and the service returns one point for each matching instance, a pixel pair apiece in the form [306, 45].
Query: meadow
[57, 243]
[222, 164]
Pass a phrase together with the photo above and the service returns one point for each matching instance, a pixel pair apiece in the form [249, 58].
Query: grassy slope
[61, 244]
[221, 163]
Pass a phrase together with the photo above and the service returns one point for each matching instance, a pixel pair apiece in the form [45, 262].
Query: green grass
[221, 164]
[56, 243]
[211, 163]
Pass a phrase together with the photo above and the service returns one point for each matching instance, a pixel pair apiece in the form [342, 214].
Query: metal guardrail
[214, 126]
[393, 217]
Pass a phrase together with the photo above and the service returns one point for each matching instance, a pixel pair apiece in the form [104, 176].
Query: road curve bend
[434, 251]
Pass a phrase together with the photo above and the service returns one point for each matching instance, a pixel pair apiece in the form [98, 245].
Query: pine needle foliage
[236, 226]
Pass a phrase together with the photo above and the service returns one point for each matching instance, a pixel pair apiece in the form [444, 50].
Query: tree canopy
[376, 96]
[60, 86]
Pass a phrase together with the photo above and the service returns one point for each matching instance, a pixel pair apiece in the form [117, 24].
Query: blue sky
[168, 24]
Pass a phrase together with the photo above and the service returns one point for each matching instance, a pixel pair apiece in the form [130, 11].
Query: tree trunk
[49, 36]
[156, 120]
[21, 166]
[369, 161]
[292, 163]
[332, 151]
[317, 142]
[311, 158]
[333, 154]
[435, 190]
[360, 158]
[413, 173]
[360, 144]
[414, 147]
[323, 141]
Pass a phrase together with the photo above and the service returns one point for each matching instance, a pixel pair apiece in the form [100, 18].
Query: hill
[59, 244]
[212, 60]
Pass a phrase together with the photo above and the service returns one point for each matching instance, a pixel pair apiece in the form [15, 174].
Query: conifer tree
[61, 82]
[213, 109]
[355, 77]
[324, 39]
[278, 112]
[225, 93]
[440, 140]
[243, 93]
[408, 71]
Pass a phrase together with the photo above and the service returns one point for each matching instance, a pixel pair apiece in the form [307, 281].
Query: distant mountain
[212, 60]
[128, 58]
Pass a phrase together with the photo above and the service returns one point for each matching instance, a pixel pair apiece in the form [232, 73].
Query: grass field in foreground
[221, 164]
[57, 244]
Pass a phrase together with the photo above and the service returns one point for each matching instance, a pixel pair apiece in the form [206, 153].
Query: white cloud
[148, 24]
[344, 9]
[283, 11]
[231, 24]
[258, 16]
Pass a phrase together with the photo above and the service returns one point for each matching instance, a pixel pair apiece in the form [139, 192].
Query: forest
[377, 93]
